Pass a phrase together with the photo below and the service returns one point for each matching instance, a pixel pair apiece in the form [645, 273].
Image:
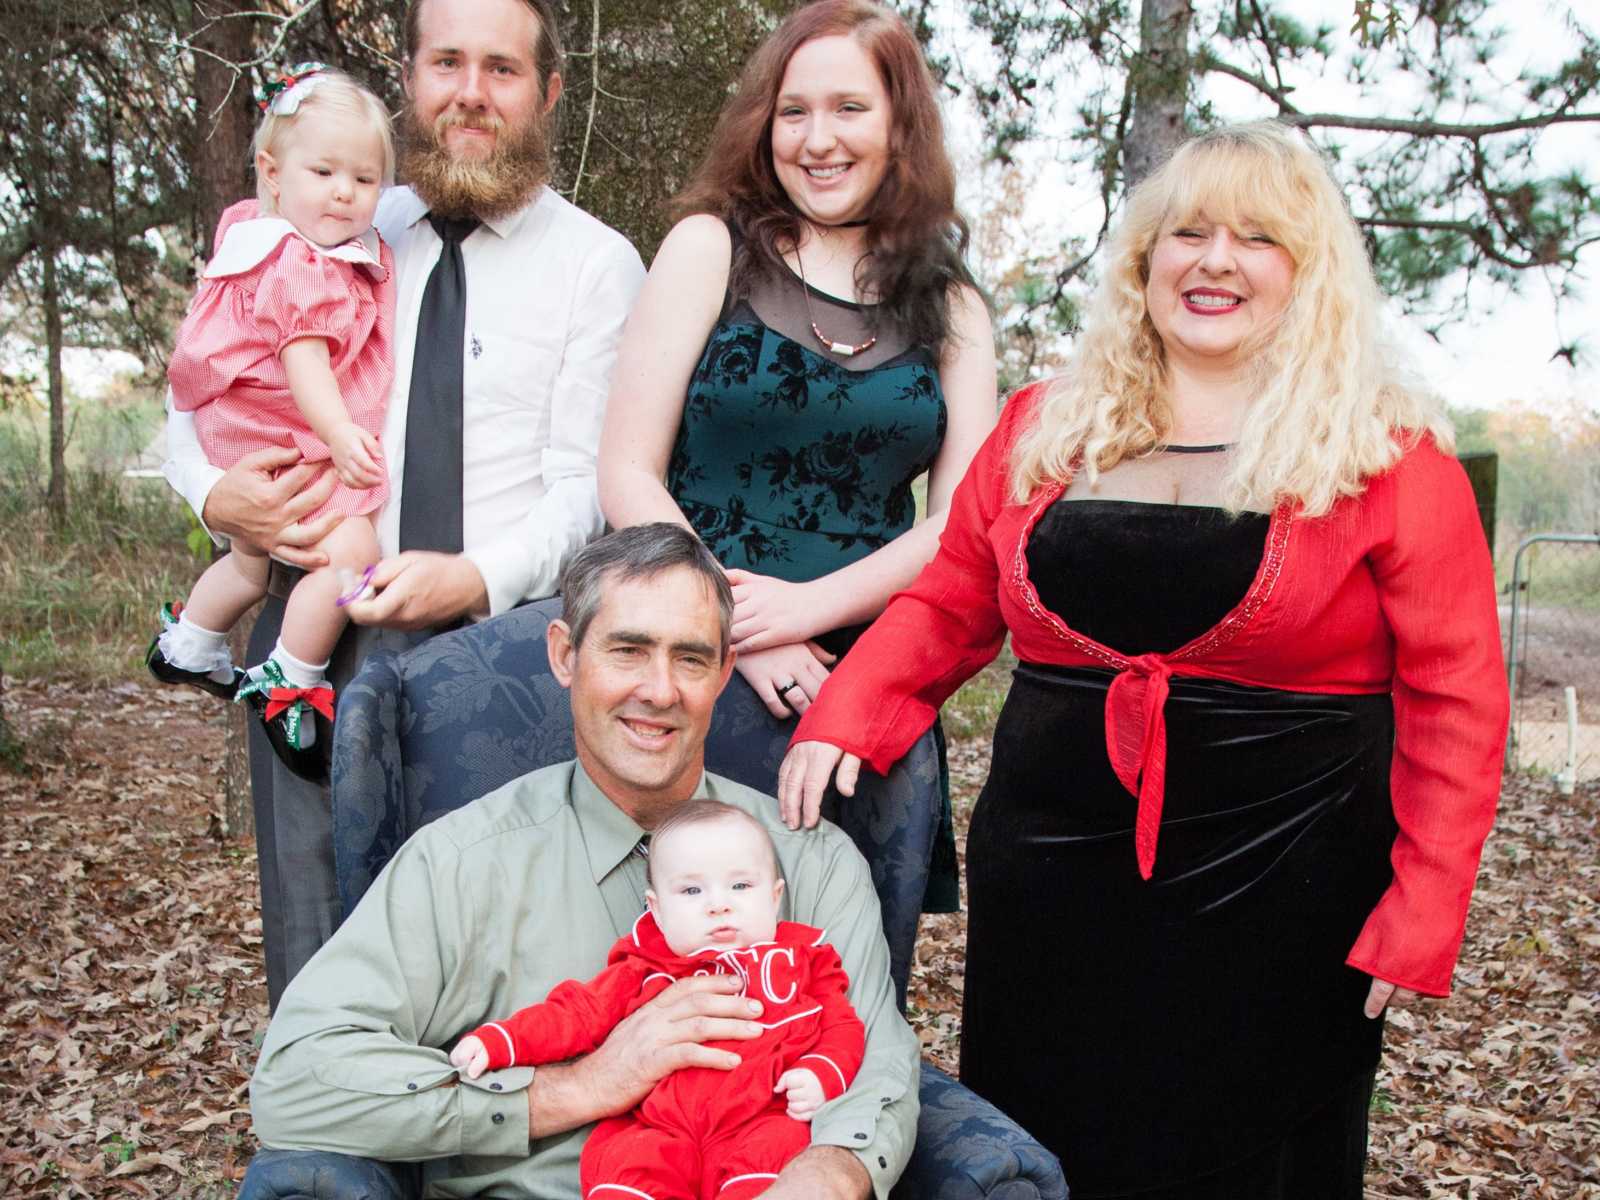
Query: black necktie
[430, 493]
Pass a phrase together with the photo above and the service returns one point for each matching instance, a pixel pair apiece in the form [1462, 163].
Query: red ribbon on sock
[319, 698]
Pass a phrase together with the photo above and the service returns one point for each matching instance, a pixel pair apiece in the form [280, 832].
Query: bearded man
[510, 304]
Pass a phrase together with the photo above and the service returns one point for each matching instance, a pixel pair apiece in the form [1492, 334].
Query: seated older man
[487, 909]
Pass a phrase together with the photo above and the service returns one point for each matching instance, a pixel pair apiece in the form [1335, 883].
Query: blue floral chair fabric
[966, 1150]
[319, 1175]
[426, 731]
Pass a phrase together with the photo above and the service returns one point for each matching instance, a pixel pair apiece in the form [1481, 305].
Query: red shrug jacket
[1391, 591]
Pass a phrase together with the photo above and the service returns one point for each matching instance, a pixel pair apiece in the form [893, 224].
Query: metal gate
[1553, 657]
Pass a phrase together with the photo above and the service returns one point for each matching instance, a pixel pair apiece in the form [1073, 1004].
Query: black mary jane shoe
[307, 762]
[165, 672]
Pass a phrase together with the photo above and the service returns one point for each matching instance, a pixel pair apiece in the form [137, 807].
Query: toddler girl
[289, 342]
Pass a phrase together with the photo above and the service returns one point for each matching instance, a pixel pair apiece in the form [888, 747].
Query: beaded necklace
[843, 349]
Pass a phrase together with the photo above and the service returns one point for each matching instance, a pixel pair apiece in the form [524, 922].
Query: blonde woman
[1252, 749]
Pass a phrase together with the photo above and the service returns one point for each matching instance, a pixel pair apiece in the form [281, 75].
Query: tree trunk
[56, 498]
[225, 117]
[1160, 82]
[11, 746]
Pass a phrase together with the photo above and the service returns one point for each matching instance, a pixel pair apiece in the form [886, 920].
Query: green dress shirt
[482, 913]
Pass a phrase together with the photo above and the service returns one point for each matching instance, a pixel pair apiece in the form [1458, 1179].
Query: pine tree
[1446, 162]
[88, 169]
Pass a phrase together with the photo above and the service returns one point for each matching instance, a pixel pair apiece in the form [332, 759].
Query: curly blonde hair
[1331, 405]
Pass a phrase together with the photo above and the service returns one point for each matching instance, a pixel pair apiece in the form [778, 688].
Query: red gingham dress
[264, 287]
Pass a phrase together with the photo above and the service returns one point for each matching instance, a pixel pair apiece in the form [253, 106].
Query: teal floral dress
[793, 461]
[791, 465]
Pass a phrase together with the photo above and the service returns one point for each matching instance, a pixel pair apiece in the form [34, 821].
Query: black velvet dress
[1196, 1035]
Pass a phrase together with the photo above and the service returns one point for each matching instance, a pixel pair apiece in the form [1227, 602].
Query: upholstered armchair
[427, 731]
[452, 720]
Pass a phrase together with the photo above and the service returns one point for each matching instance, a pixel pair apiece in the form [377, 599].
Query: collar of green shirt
[609, 834]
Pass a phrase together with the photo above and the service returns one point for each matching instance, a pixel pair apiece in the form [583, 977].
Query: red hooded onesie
[700, 1133]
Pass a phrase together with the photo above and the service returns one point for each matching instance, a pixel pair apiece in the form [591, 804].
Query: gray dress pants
[294, 819]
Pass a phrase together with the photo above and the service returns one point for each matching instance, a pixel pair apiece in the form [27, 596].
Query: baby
[289, 342]
[713, 910]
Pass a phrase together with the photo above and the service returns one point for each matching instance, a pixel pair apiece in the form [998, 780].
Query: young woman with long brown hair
[809, 341]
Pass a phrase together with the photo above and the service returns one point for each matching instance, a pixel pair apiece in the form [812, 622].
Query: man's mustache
[486, 123]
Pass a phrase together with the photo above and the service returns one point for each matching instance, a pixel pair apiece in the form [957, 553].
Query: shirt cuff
[194, 484]
[871, 1127]
[503, 582]
[494, 1113]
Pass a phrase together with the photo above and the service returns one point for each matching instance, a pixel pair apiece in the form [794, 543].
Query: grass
[80, 602]
[1560, 575]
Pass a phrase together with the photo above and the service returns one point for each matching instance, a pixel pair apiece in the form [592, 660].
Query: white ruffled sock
[299, 674]
[190, 647]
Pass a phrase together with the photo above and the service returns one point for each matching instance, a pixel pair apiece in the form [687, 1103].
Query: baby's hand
[804, 1092]
[356, 456]
[471, 1056]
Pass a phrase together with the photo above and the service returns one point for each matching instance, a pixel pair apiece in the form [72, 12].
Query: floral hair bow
[281, 96]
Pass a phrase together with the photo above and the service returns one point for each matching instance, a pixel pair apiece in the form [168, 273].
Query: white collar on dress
[248, 243]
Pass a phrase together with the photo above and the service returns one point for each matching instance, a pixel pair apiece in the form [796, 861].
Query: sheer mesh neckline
[828, 297]
[785, 304]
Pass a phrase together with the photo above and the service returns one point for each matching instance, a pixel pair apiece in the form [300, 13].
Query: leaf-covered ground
[131, 1001]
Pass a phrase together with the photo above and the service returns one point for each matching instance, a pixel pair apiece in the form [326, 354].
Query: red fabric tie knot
[319, 698]
[1136, 743]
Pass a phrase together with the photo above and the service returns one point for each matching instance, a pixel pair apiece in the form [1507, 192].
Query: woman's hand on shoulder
[787, 678]
[804, 776]
[666, 333]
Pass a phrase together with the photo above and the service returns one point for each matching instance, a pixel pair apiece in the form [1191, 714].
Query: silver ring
[792, 684]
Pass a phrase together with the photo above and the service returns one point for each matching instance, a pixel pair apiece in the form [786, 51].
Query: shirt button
[411, 1087]
[861, 1137]
[883, 1162]
[499, 1118]
[494, 1087]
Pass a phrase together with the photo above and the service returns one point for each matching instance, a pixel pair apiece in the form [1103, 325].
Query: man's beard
[485, 188]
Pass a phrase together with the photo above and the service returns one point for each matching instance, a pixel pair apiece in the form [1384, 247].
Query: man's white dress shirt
[548, 291]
